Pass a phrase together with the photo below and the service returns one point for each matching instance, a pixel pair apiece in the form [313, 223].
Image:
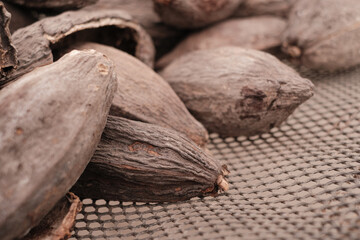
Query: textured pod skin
[279, 8]
[51, 121]
[143, 162]
[57, 224]
[35, 43]
[324, 34]
[146, 97]
[259, 33]
[235, 91]
[143, 12]
[53, 4]
[8, 59]
[19, 17]
[189, 14]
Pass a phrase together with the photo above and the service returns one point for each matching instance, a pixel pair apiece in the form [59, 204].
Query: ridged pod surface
[143, 162]
[51, 122]
[235, 91]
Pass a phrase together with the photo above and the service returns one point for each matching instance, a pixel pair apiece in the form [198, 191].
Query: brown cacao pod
[57, 224]
[143, 162]
[235, 91]
[324, 34]
[51, 121]
[189, 14]
[259, 33]
[42, 42]
[146, 97]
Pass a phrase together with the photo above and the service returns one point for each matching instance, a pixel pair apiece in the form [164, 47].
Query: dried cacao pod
[189, 14]
[8, 58]
[57, 224]
[51, 121]
[324, 34]
[143, 12]
[54, 4]
[146, 97]
[259, 33]
[235, 91]
[19, 17]
[279, 8]
[42, 42]
[143, 162]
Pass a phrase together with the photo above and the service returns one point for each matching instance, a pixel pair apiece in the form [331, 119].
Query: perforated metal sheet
[301, 181]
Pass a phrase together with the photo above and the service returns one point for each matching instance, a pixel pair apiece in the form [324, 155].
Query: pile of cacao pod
[114, 99]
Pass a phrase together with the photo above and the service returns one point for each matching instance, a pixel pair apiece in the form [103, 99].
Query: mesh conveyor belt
[301, 181]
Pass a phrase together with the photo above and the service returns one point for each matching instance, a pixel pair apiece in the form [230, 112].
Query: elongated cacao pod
[144, 162]
[259, 33]
[146, 97]
[235, 91]
[324, 34]
[51, 121]
[57, 224]
[42, 42]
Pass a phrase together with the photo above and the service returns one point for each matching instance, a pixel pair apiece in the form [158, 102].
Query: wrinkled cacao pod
[324, 34]
[51, 121]
[235, 91]
[143, 162]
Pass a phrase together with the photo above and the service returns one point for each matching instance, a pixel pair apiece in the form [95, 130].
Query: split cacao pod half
[324, 34]
[51, 121]
[42, 42]
[235, 91]
[188, 14]
[143, 162]
[261, 33]
[146, 97]
[142, 11]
